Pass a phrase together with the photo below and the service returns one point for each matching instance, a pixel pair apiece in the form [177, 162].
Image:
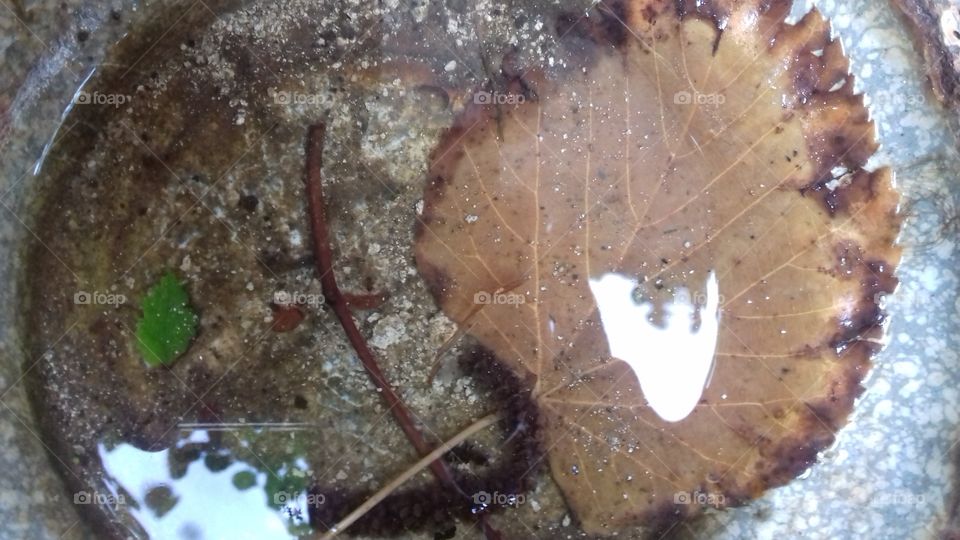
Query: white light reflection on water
[206, 501]
[672, 361]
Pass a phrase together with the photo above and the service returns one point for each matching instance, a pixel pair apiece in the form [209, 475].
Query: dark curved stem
[340, 304]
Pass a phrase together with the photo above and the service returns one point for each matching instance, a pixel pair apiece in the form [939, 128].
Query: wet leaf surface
[168, 323]
[673, 239]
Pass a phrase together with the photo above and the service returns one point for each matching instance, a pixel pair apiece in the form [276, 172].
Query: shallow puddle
[185, 154]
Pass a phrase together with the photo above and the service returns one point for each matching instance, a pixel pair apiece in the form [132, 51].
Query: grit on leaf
[168, 322]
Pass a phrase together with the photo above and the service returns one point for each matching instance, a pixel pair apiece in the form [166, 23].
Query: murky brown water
[185, 153]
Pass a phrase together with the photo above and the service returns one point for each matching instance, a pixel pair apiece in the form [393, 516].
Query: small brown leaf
[675, 242]
[286, 317]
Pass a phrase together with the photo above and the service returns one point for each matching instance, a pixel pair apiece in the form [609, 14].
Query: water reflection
[197, 490]
[670, 347]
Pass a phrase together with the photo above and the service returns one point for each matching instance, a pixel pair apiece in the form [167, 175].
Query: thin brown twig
[340, 304]
[392, 486]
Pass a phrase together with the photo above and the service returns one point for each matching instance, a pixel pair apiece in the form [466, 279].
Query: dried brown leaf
[675, 160]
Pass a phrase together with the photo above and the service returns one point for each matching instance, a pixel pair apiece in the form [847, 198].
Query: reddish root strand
[341, 303]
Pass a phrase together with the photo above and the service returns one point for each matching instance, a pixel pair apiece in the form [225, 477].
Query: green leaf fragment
[244, 480]
[168, 323]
